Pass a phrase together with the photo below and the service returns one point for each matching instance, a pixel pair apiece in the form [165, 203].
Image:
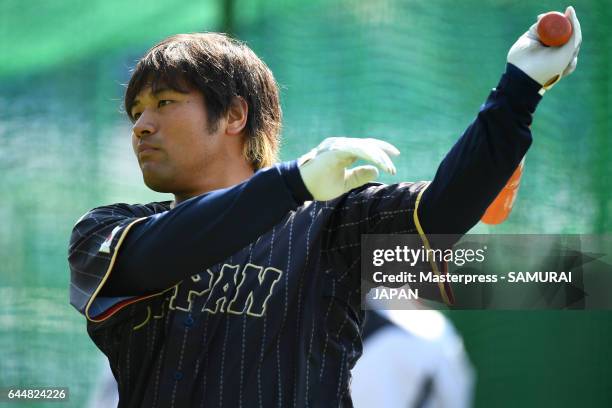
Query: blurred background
[410, 72]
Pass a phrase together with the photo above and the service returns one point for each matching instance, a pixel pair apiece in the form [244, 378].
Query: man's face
[172, 139]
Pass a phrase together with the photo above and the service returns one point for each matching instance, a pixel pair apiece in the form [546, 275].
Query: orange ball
[554, 29]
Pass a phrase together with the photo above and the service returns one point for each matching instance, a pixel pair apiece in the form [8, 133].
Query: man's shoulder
[102, 224]
[361, 193]
[123, 210]
[372, 192]
[360, 202]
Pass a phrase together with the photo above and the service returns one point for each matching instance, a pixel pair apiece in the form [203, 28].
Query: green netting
[411, 72]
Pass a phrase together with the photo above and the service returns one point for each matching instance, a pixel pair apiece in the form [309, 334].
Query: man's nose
[144, 125]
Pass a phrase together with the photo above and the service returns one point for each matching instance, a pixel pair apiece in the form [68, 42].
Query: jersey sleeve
[92, 254]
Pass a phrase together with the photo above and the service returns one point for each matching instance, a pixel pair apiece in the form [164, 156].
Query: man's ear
[237, 116]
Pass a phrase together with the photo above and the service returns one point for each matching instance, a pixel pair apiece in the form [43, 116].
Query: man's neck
[225, 179]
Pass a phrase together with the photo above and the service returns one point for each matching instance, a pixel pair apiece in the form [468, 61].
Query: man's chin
[156, 183]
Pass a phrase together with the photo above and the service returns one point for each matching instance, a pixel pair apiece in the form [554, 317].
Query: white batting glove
[547, 65]
[324, 168]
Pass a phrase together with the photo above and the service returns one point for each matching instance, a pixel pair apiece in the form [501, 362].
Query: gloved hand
[324, 168]
[547, 65]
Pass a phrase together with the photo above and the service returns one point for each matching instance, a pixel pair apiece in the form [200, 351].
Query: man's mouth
[145, 148]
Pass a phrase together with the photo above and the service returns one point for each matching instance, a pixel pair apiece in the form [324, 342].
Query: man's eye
[163, 102]
[136, 115]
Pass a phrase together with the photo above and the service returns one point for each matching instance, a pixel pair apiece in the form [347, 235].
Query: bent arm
[165, 248]
[483, 159]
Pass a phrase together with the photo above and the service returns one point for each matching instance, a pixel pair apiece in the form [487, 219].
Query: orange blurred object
[554, 29]
[500, 208]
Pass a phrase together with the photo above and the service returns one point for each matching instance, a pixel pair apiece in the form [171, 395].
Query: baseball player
[242, 291]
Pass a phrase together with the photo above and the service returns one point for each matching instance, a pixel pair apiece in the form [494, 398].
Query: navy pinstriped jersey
[278, 323]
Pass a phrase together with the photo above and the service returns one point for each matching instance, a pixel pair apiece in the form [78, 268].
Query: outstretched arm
[484, 158]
